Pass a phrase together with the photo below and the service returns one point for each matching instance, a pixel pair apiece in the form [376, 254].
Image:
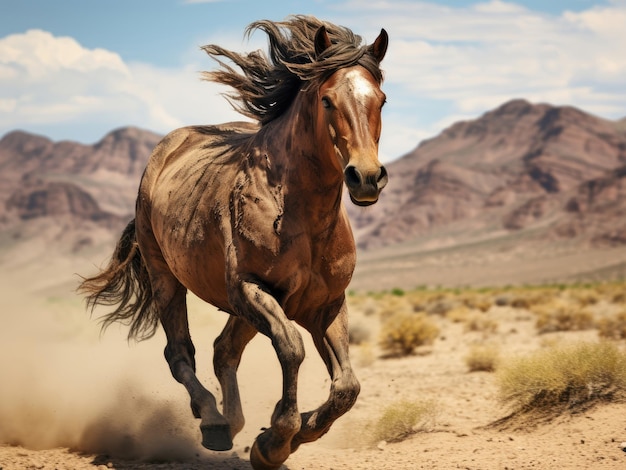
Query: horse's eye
[326, 102]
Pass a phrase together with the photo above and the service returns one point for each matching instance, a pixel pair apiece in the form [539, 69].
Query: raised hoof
[216, 437]
[259, 462]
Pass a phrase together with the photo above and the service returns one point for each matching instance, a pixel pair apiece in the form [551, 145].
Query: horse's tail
[125, 283]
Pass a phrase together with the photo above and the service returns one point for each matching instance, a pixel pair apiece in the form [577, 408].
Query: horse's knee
[345, 393]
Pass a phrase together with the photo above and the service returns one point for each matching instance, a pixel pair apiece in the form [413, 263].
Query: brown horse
[250, 219]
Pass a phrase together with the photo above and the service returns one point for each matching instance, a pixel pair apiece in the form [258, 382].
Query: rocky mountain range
[555, 172]
[71, 186]
[519, 167]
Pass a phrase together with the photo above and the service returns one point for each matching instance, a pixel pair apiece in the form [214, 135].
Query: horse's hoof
[216, 437]
[259, 462]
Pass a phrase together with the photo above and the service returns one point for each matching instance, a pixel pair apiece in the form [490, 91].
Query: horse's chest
[313, 275]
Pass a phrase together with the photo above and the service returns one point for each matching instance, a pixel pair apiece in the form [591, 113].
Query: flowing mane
[268, 85]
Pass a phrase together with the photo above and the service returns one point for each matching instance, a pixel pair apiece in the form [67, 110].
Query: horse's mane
[268, 85]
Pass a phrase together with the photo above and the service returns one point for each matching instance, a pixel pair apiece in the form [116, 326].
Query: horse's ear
[379, 47]
[322, 41]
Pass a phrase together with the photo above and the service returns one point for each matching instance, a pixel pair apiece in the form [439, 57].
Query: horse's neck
[303, 162]
[306, 151]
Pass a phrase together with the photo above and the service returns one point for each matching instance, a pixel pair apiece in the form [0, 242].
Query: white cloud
[52, 81]
[475, 58]
[443, 62]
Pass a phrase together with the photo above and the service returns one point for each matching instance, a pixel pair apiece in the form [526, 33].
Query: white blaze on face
[359, 85]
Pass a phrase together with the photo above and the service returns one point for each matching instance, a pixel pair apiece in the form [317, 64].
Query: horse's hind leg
[332, 345]
[228, 348]
[180, 352]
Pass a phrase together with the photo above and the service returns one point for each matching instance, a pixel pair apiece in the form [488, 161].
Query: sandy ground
[72, 399]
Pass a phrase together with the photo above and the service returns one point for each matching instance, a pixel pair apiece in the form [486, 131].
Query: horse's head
[350, 103]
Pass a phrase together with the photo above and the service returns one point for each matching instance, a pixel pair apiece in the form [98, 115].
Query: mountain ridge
[521, 175]
[517, 159]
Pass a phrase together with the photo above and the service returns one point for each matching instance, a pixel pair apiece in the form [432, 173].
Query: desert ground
[71, 398]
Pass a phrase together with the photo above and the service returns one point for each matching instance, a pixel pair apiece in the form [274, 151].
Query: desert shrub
[397, 291]
[502, 300]
[613, 327]
[438, 302]
[480, 322]
[357, 333]
[531, 297]
[476, 301]
[560, 315]
[482, 358]
[585, 297]
[458, 314]
[402, 419]
[402, 332]
[619, 297]
[417, 300]
[519, 302]
[392, 304]
[563, 377]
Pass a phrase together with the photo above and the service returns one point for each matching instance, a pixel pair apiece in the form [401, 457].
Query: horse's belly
[201, 273]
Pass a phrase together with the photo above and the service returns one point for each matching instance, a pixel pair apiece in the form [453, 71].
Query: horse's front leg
[332, 345]
[260, 308]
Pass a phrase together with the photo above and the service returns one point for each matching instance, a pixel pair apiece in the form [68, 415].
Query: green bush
[397, 291]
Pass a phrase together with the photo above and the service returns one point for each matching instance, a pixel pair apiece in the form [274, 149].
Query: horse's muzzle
[365, 187]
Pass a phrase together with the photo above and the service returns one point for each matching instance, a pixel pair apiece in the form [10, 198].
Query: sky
[77, 69]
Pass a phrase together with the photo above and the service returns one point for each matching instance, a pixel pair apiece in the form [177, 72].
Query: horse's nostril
[382, 177]
[352, 177]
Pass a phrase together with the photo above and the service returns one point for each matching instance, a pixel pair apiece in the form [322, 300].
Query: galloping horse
[249, 217]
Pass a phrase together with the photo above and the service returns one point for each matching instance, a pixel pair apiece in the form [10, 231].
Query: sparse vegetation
[477, 321]
[403, 332]
[563, 377]
[397, 291]
[402, 419]
[562, 315]
[613, 327]
[458, 314]
[482, 358]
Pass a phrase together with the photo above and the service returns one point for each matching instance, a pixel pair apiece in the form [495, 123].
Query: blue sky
[76, 69]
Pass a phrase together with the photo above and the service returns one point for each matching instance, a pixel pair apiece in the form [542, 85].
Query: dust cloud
[63, 384]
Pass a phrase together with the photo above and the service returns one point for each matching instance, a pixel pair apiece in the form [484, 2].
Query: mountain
[68, 186]
[521, 166]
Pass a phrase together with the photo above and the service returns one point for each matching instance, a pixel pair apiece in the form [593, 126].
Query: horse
[249, 216]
